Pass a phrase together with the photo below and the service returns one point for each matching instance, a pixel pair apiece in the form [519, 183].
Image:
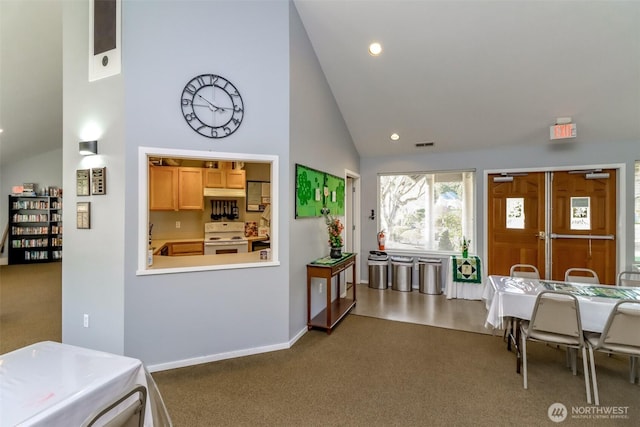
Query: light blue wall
[192, 315]
[93, 259]
[319, 139]
[542, 156]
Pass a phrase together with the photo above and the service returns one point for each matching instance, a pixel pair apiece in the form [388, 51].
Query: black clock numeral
[227, 130]
[190, 88]
[186, 101]
[214, 133]
[235, 121]
[190, 116]
[237, 109]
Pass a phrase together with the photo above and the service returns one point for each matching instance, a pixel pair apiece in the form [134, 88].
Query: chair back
[131, 416]
[556, 312]
[581, 275]
[622, 328]
[628, 278]
[524, 270]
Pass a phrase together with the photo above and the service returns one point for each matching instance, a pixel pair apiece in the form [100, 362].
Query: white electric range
[224, 238]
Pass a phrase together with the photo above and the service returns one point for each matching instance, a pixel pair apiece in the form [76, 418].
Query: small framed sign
[82, 182]
[99, 181]
[83, 215]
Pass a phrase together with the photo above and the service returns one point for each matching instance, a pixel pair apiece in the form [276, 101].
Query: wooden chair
[620, 336]
[585, 275]
[556, 320]
[628, 278]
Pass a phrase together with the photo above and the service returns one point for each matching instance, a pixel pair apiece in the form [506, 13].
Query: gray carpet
[378, 372]
[367, 372]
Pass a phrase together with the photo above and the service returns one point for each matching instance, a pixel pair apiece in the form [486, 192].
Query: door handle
[541, 235]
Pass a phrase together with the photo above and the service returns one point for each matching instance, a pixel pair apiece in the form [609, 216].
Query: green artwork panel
[309, 192]
[316, 190]
[334, 200]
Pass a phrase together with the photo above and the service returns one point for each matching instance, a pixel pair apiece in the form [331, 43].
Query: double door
[553, 220]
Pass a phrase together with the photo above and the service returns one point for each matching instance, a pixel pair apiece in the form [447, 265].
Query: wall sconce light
[88, 148]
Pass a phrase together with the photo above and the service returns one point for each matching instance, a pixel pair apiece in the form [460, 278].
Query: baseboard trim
[224, 356]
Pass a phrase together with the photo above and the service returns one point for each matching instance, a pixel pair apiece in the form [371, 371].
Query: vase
[465, 254]
[336, 252]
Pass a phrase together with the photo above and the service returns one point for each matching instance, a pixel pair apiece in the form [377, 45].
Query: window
[427, 211]
[194, 214]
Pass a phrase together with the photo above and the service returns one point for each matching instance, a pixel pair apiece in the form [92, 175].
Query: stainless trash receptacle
[378, 270]
[429, 275]
[402, 274]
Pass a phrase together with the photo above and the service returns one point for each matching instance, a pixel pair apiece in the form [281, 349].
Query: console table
[326, 268]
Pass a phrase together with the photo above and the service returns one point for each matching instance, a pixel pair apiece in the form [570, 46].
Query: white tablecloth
[453, 289]
[515, 297]
[53, 384]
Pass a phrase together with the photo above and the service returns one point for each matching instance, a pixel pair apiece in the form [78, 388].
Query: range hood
[224, 193]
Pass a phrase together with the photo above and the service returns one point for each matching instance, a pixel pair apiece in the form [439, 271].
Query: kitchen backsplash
[191, 222]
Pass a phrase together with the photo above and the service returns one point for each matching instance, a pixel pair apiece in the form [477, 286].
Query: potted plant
[334, 227]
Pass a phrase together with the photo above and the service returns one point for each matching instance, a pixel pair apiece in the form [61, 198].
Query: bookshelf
[35, 229]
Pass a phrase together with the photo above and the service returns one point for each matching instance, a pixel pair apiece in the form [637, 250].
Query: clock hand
[211, 106]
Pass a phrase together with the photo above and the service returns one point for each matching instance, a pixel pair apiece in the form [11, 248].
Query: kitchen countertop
[157, 244]
[160, 262]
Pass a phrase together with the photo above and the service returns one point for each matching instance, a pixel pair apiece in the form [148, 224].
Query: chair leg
[524, 359]
[633, 362]
[586, 372]
[596, 398]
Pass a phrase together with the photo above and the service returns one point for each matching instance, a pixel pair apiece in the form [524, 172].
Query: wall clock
[212, 106]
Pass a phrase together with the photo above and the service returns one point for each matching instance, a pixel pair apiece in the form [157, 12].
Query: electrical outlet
[177, 224]
[320, 288]
[85, 321]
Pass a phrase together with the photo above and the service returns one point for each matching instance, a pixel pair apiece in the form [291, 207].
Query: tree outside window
[426, 211]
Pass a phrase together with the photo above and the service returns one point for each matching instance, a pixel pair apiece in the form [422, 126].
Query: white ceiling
[463, 74]
[474, 74]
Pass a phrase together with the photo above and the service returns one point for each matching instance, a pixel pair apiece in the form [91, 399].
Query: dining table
[54, 384]
[512, 299]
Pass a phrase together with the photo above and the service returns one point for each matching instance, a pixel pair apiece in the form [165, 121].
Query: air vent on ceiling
[424, 144]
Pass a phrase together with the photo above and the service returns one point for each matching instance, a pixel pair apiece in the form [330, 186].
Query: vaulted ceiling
[473, 74]
[462, 74]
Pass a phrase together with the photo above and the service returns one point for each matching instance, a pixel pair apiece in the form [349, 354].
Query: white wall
[544, 155]
[320, 140]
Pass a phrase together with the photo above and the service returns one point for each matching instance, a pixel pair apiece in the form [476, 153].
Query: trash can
[378, 270]
[402, 274]
[430, 278]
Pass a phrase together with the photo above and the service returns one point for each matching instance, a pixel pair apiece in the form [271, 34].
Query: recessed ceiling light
[394, 137]
[375, 49]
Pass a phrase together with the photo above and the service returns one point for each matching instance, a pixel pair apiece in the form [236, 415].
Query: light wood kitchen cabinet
[236, 178]
[225, 177]
[163, 188]
[190, 190]
[175, 188]
[214, 178]
[186, 248]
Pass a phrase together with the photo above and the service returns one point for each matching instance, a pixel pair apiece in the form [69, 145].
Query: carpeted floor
[378, 372]
[369, 371]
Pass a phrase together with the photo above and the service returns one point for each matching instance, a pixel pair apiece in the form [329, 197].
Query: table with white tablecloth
[515, 297]
[54, 384]
[464, 278]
